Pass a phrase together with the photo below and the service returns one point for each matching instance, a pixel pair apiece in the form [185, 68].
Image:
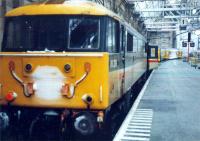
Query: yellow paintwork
[67, 8]
[179, 54]
[91, 85]
[166, 54]
[159, 55]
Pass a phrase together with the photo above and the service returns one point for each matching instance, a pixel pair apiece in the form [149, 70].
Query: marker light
[67, 67]
[28, 67]
[11, 66]
[10, 96]
[87, 67]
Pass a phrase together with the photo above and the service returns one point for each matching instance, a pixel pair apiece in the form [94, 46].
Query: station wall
[162, 39]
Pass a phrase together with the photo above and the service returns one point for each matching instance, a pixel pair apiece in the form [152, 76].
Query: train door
[123, 57]
[153, 56]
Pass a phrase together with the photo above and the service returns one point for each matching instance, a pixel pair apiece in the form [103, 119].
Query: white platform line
[148, 116]
[125, 123]
[142, 121]
[144, 110]
[142, 115]
[139, 123]
[137, 135]
[141, 118]
[133, 139]
[139, 127]
[137, 130]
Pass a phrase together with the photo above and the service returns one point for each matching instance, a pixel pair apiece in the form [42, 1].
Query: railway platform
[167, 108]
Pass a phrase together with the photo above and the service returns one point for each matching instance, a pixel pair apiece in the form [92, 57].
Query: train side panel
[122, 79]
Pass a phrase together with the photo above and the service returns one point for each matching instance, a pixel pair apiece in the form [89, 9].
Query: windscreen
[51, 33]
[84, 33]
[35, 34]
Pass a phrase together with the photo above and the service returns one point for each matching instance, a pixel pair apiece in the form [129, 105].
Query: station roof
[168, 15]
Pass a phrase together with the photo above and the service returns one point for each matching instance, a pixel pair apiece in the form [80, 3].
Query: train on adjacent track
[157, 54]
[67, 65]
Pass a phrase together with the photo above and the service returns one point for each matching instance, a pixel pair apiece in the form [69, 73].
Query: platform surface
[172, 97]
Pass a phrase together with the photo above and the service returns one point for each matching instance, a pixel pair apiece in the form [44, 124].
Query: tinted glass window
[36, 34]
[111, 36]
[129, 42]
[84, 33]
[51, 33]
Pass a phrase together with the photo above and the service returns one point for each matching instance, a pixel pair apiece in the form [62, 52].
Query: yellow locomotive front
[58, 80]
[52, 58]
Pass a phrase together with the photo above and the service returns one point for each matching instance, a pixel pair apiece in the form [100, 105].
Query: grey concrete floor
[174, 96]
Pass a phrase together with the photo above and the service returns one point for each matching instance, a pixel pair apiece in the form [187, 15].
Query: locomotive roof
[62, 7]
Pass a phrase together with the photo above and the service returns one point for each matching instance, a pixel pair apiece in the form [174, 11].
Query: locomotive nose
[85, 123]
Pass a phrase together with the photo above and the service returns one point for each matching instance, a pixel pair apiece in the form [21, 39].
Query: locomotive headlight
[87, 99]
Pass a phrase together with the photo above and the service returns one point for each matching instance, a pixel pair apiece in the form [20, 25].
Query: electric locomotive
[67, 62]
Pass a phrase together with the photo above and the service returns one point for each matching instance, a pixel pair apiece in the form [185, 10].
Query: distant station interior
[167, 105]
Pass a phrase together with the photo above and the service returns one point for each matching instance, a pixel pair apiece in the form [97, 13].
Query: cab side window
[111, 36]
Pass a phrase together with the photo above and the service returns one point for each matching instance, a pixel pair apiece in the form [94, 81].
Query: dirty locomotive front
[69, 62]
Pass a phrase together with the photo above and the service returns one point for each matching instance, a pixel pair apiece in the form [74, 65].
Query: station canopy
[168, 15]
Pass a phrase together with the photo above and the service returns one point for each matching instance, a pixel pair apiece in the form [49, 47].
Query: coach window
[135, 44]
[111, 36]
[139, 45]
[129, 42]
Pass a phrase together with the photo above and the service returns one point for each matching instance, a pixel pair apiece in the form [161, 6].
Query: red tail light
[10, 96]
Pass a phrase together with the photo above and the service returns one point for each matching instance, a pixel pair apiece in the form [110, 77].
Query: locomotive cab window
[84, 33]
[35, 33]
[111, 36]
[52, 33]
